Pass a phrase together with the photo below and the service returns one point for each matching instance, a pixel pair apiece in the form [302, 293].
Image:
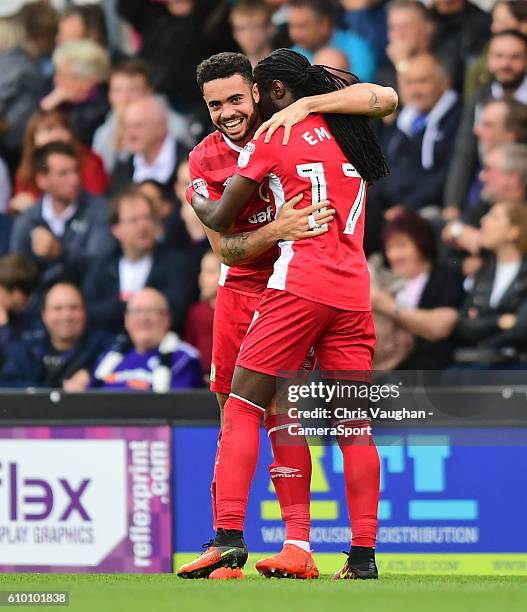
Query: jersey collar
[231, 144]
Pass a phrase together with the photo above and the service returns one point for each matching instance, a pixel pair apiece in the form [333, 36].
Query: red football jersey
[212, 164]
[330, 268]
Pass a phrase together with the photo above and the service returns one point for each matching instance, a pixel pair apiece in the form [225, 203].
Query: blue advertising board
[440, 495]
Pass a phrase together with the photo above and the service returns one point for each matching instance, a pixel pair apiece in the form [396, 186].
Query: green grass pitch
[393, 593]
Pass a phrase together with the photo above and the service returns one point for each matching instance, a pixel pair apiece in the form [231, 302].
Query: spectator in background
[504, 179]
[41, 24]
[155, 153]
[311, 27]
[419, 145]
[252, 29]
[279, 14]
[171, 229]
[509, 15]
[68, 226]
[333, 58]
[155, 359]
[198, 242]
[506, 15]
[504, 174]
[139, 262]
[21, 83]
[493, 321]
[426, 304]
[129, 82]
[67, 349]
[175, 36]
[45, 127]
[368, 18]
[507, 63]
[86, 21]
[462, 27]
[81, 69]
[198, 329]
[411, 32]
[499, 122]
[19, 303]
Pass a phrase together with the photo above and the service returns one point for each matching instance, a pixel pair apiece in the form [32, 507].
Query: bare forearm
[209, 213]
[220, 215]
[238, 248]
[360, 99]
[433, 325]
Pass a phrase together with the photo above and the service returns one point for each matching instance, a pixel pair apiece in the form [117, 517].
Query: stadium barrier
[120, 483]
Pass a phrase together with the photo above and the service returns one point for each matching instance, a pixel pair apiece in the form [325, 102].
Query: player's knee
[253, 386]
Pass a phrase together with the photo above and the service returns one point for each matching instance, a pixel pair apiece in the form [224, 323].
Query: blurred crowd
[106, 276]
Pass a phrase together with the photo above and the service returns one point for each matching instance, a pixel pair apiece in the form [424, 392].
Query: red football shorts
[233, 314]
[286, 326]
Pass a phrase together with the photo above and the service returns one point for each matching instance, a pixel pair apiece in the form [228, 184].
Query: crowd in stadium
[105, 271]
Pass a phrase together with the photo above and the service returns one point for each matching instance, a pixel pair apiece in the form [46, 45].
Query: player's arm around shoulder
[366, 99]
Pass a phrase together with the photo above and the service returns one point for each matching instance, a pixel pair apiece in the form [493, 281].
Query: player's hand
[294, 224]
[287, 117]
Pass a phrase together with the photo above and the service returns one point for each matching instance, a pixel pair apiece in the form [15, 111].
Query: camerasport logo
[60, 503]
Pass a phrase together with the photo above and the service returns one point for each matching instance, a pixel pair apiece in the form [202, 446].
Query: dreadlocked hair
[353, 133]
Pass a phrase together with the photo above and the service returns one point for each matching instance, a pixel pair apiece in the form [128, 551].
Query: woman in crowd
[426, 302]
[81, 71]
[21, 84]
[493, 321]
[43, 128]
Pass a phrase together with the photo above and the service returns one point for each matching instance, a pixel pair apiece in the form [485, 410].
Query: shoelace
[207, 545]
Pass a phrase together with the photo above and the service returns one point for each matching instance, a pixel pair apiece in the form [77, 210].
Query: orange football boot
[212, 558]
[291, 562]
[227, 573]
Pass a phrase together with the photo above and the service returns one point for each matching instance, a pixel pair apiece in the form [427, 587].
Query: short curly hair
[223, 66]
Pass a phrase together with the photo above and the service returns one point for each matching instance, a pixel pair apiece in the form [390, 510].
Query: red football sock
[291, 476]
[362, 478]
[238, 456]
[213, 483]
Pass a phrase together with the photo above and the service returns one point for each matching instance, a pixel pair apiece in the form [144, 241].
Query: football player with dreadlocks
[318, 295]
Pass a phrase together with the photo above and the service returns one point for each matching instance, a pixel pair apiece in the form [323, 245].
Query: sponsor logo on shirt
[264, 216]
